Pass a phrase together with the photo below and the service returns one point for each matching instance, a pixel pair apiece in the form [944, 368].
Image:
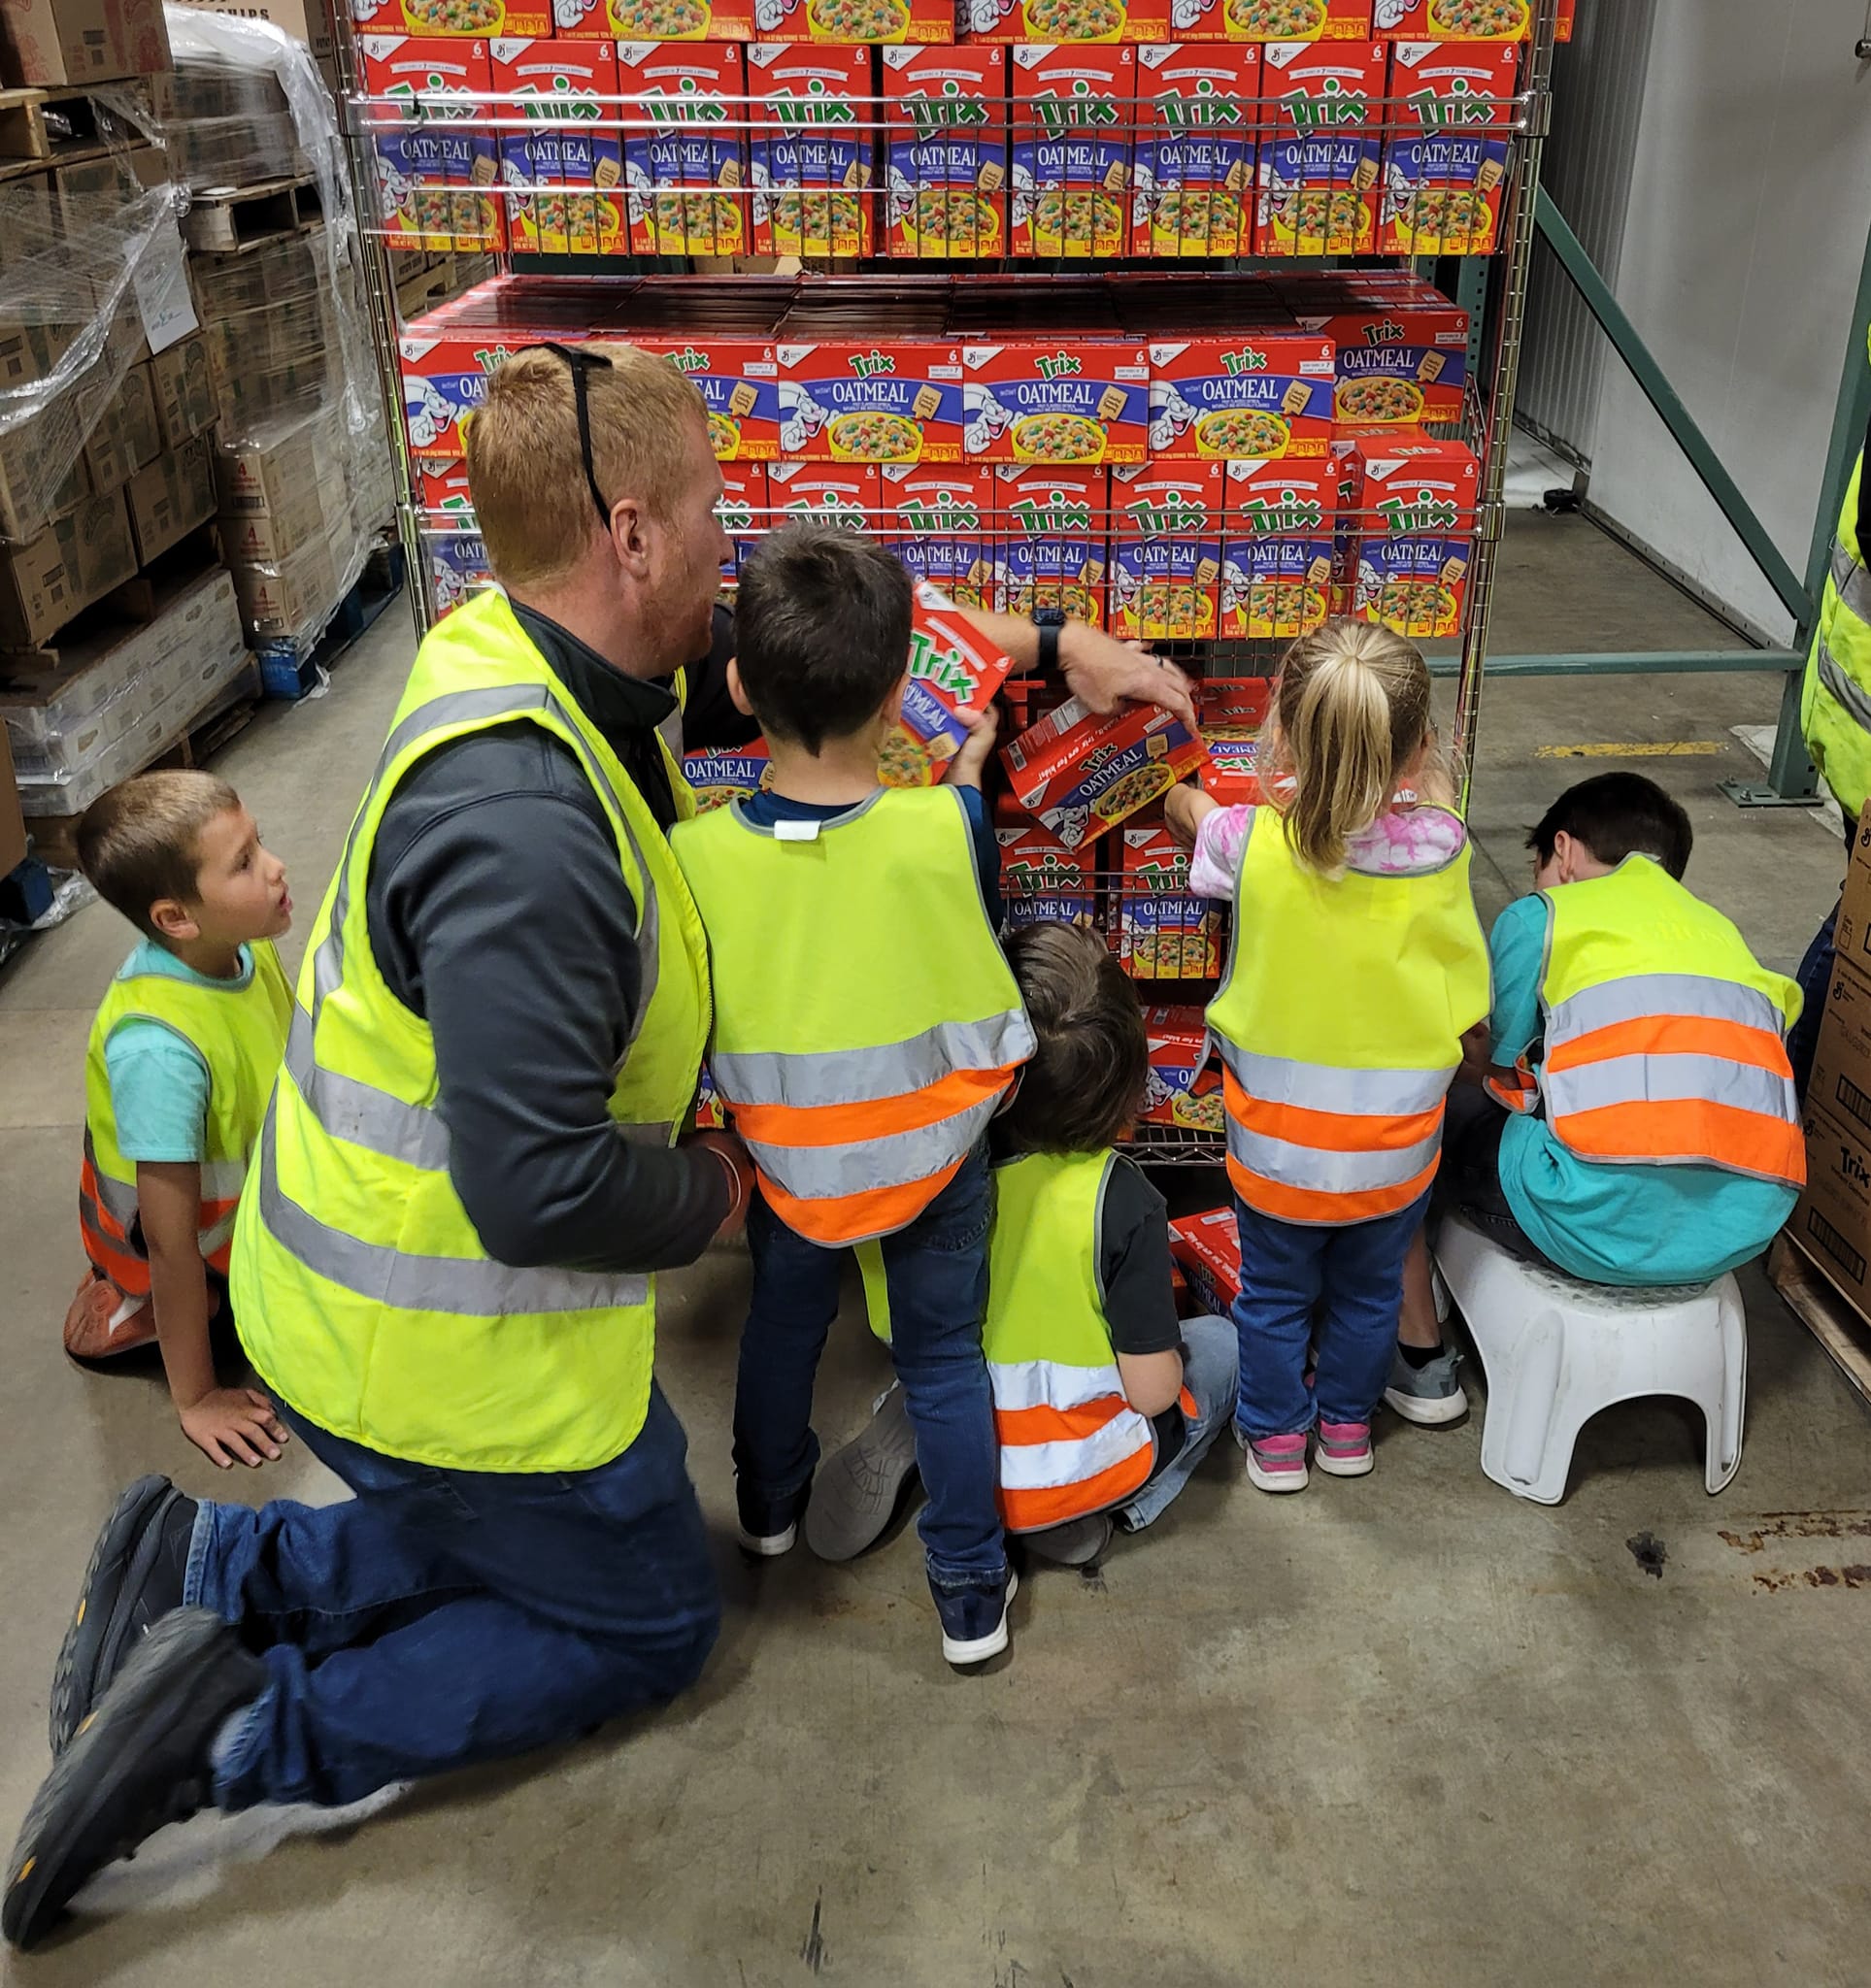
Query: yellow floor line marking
[1655, 748]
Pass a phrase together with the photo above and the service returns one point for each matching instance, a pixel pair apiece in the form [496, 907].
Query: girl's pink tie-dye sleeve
[1218, 851]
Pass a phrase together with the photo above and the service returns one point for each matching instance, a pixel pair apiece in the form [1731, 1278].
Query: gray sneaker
[855, 1495]
[1076, 1543]
[1430, 1396]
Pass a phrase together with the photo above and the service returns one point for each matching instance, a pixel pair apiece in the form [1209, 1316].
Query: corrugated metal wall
[1598, 91]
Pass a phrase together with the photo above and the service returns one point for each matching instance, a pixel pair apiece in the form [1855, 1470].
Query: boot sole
[127, 1550]
[853, 1503]
[1426, 1413]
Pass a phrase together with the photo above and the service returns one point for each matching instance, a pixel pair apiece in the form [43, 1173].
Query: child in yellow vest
[866, 1028]
[1356, 966]
[181, 1063]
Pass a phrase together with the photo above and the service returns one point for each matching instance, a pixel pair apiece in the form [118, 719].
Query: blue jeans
[1816, 986]
[439, 1618]
[1211, 1364]
[937, 1274]
[1353, 1279]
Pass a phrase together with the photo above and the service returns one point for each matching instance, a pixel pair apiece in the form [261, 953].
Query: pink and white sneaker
[1275, 1463]
[1344, 1449]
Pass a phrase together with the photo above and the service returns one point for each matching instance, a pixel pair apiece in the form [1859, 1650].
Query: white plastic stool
[1556, 1352]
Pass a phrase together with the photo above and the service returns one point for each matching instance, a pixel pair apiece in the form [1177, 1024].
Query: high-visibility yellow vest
[239, 1035]
[1340, 1022]
[1070, 1441]
[1835, 695]
[1664, 1036]
[363, 1293]
[866, 1023]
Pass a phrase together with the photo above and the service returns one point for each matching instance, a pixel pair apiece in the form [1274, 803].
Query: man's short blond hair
[530, 497]
[142, 841]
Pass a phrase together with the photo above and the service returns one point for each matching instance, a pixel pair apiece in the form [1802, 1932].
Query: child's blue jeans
[937, 1272]
[1339, 1289]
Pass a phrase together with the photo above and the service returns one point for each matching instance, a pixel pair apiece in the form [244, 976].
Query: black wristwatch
[1050, 621]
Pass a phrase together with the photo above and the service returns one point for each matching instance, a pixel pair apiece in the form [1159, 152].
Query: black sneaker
[134, 1580]
[140, 1759]
[974, 1620]
[768, 1527]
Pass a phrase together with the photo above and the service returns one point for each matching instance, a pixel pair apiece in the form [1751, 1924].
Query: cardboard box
[1057, 401]
[170, 498]
[1831, 1221]
[1042, 880]
[1197, 108]
[1208, 1246]
[285, 598]
[940, 526]
[1258, 20]
[739, 378]
[811, 163]
[266, 538]
[1183, 1087]
[682, 165]
[1257, 396]
[955, 673]
[418, 168]
[50, 436]
[849, 494]
[1841, 1082]
[46, 42]
[184, 391]
[1232, 774]
[1080, 775]
[1852, 936]
[945, 124]
[1073, 108]
[1319, 160]
[431, 18]
[1051, 540]
[856, 21]
[574, 147]
[12, 823]
[283, 477]
[1445, 165]
[1233, 703]
[1276, 552]
[1416, 521]
[1396, 363]
[305, 20]
[74, 560]
[127, 437]
[1166, 932]
[742, 509]
[1166, 529]
[891, 400]
[720, 773]
[1433, 20]
[668, 20]
[458, 568]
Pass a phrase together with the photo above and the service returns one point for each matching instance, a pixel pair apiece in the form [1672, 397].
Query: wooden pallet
[29, 120]
[289, 670]
[1816, 1301]
[232, 220]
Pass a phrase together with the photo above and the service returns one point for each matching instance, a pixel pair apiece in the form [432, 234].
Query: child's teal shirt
[1610, 1224]
[159, 1085]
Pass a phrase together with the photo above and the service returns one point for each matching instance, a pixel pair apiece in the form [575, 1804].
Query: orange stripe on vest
[848, 1217]
[1032, 1512]
[1689, 1129]
[852, 1124]
[1673, 1035]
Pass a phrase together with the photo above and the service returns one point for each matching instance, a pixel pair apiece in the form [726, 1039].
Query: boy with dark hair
[1649, 1134]
[866, 1028]
[180, 1062]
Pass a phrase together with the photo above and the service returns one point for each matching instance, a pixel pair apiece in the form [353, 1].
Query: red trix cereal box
[1197, 108]
[945, 126]
[1233, 703]
[1232, 776]
[439, 17]
[1277, 557]
[682, 168]
[940, 526]
[1165, 934]
[1402, 362]
[445, 379]
[1057, 401]
[898, 400]
[1417, 517]
[662, 20]
[1060, 21]
[1208, 1246]
[1319, 155]
[1446, 161]
[849, 494]
[1073, 106]
[571, 147]
[954, 673]
[1166, 529]
[742, 509]
[1043, 882]
[441, 148]
[441, 493]
[1260, 395]
[719, 774]
[740, 380]
[1081, 773]
[1185, 1088]
[710, 1117]
[1050, 539]
[811, 159]
[1467, 20]
[855, 21]
[1296, 21]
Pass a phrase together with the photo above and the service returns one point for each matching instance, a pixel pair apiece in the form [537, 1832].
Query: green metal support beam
[1631, 663]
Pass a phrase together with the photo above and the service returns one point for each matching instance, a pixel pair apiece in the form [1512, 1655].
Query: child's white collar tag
[796, 831]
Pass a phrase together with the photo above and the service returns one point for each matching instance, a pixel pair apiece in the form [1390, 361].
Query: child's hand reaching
[1184, 807]
[235, 1425]
[964, 768]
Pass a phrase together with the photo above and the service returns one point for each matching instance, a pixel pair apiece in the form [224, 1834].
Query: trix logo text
[1170, 517]
[1080, 110]
[687, 360]
[868, 365]
[1030, 876]
[1053, 515]
[555, 101]
[1334, 108]
[1246, 360]
[1205, 109]
[943, 668]
[945, 513]
[689, 106]
[947, 111]
[1419, 511]
[1058, 365]
[491, 359]
[1386, 332]
[1288, 513]
[1463, 105]
[816, 106]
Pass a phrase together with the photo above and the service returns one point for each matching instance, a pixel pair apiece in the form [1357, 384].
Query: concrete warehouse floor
[1400, 1729]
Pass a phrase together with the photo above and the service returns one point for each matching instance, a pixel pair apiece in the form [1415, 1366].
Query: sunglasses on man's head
[581, 363]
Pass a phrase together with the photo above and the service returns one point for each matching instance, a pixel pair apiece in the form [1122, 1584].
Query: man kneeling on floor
[1637, 1125]
[466, 1178]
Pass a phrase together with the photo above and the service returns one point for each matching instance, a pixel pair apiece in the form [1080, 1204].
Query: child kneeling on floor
[180, 1066]
[1638, 1125]
[1357, 965]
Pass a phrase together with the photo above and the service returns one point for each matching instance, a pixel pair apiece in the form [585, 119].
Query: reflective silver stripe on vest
[1839, 683]
[863, 1077]
[1320, 1171]
[829, 1172]
[1853, 582]
[1320, 1087]
[359, 1113]
[466, 1287]
[1671, 1078]
[1655, 997]
[118, 1197]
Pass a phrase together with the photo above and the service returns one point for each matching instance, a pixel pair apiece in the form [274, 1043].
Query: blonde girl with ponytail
[1355, 966]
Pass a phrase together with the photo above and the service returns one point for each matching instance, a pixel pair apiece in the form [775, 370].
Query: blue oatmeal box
[1252, 396]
